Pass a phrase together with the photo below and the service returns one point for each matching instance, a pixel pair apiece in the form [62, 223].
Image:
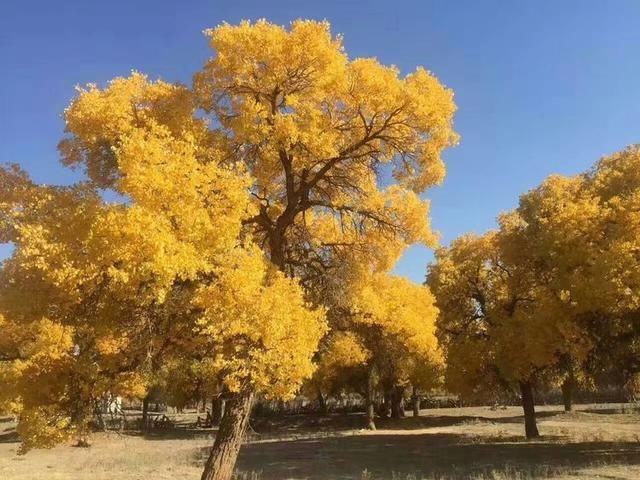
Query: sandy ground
[463, 443]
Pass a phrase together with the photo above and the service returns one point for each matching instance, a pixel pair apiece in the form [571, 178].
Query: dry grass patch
[451, 444]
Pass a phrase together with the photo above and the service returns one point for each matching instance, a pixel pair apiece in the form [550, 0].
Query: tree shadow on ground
[428, 455]
[630, 410]
[300, 423]
[181, 433]
[439, 421]
[427, 421]
[520, 419]
[9, 436]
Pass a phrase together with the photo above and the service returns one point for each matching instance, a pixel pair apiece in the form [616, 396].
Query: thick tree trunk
[371, 415]
[79, 418]
[276, 250]
[223, 456]
[397, 402]
[145, 414]
[416, 402]
[528, 405]
[567, 394]
[370, 405]
[218, 405]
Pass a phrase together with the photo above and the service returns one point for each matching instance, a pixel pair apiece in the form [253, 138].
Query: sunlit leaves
[241, 202]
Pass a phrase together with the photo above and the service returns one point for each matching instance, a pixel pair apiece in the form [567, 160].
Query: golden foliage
[267, 170]
[557, 282]
[386, 324]
[313, 127]
[130, 282]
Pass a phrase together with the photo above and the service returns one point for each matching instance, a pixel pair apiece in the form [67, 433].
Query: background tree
[563, 268]
[386, 344]
[341, 368]
[395, 321]
[499, 325]
[583, 232]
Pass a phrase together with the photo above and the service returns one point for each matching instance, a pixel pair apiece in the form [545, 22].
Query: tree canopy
[101, 289]
[555, 286]
[244, 205]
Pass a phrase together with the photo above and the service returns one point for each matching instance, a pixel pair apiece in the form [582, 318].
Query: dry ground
[476, 443]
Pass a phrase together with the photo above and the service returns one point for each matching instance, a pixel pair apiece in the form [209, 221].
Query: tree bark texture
[397, 402]
[528, 406]
[223, 456]
[370, 405]
[416, 402]
[567, 394]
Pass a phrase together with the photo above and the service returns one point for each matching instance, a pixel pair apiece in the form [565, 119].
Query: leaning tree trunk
[567, 393]
[370, 405]
[397, 402]
[416, 402]
[224, 453]
[528, 405]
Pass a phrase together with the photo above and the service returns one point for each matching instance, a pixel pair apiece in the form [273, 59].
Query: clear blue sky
[542, 86]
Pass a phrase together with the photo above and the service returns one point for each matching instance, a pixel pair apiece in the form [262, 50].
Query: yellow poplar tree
[286, 116]
[394, 320]
[615, 271]
[556, 287]
[95, 291]
[499, 324]
[583, 233]
[315, 129]
[342, 359]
